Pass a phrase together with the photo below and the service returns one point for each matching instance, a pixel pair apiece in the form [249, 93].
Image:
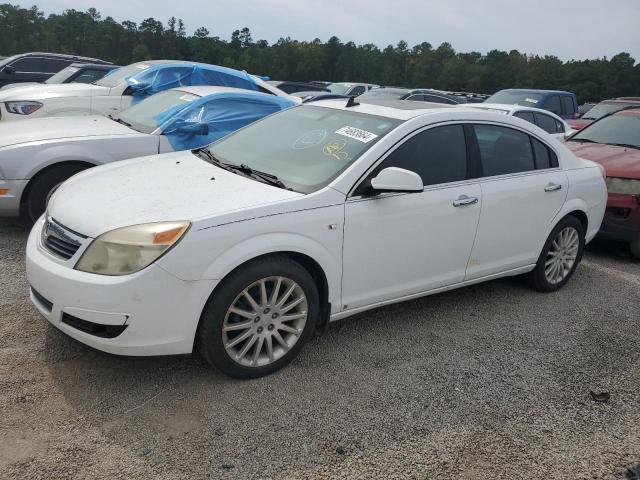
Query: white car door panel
[105, 105]
[397, 245]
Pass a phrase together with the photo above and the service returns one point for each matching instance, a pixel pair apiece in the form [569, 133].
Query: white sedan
[120, 89]
[546, 120]
[38, 155]
[243, 249]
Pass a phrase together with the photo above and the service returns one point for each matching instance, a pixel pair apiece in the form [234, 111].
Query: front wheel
[43, 186]
[560, 256]
[259, 318]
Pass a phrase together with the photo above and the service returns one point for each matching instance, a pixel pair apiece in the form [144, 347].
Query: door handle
[463, 200]
[552, 187]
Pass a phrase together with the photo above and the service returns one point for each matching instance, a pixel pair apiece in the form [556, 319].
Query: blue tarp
[160, 77]
[210, 118]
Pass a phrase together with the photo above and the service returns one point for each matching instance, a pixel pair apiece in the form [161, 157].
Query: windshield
[62, 75]
[515, 98]
[306, 147]
[8, 60]
[623, 129]
[142, 115]
[116, 77]
[383, 94]
[340, 88]
[602, 109]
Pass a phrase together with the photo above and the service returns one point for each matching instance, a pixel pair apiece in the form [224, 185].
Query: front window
[602, 109]
[306, 147]
[8, 60]
[515, 98]
[143, 116]
[116, 77]
[620, 129]
[62, 75]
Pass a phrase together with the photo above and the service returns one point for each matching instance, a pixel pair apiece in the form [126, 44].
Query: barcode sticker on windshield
[531, 100]
[357, 134]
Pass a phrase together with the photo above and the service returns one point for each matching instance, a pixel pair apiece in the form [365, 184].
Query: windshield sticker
[142, 66]
[188, 97]
[310, 139]
[530, 100]
[72, 69]
[336, 150]
[357, 134]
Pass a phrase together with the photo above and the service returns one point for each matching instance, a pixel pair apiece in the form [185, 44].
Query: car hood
[579, 124]
[617, 161]
[174, 186]
[54, 128]
[43, 91]
[18, 85]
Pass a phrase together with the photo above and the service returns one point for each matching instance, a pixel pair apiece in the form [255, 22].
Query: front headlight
[22, 107]
[130, 249]
[625, 186]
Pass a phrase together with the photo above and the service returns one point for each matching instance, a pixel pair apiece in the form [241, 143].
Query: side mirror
[394, 179]
[137, 88]
[9, 70]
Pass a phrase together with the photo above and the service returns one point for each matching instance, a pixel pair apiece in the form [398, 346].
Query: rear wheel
[259, 318]
[560, 256]
[634, 245]
[43, 186]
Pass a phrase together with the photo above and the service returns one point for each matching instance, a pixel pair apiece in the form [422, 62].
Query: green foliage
[423, 66]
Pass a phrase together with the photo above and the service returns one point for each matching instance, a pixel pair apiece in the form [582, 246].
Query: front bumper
[160, 312]
[10, 201]
[622, 218]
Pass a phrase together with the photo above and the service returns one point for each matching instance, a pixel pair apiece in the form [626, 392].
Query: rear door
[523, 189]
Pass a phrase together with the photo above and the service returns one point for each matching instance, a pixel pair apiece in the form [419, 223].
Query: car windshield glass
[306, 147]
[383, 94]
[8, 60]
[339, 88]
[62, 75]
[603, 109]
[515, 98]
[621, 129]
[142, 115]
[116, 77]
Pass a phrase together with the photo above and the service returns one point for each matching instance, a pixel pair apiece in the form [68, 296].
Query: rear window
[527, 99]
[383, 94]
[619, 129]
[568, 108]
[604, 108]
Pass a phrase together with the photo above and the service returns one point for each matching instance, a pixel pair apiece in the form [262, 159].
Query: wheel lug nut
[257, 319]
[266, 310]
[270, 327]
[260, 329]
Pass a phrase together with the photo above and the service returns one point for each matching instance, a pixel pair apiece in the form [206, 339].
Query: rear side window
[553, 104]
[416, 98]
[568, 108]
[547, 123]
[528, 116]
[438, 155]
[504, 150]
[29, 64]
[54, 65]
[544, 156]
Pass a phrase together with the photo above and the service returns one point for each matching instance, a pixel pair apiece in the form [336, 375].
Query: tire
[43, 186]
[634, 245]
[543, 278]
[219, 335]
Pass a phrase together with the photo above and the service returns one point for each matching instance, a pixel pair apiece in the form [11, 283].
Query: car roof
[625, 100]
[94, 65]
[631, 112]
[203, 90]
[510, 109]
[397, 109]
[534, 90]
[63, 55]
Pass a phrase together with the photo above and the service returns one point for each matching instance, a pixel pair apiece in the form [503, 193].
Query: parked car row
[236, 216]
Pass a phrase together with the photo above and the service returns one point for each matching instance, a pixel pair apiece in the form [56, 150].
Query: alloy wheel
[562, 255]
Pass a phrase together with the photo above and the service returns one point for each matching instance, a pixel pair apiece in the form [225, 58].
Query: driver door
[400, 244]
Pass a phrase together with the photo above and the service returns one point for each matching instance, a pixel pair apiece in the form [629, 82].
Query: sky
[569, 29]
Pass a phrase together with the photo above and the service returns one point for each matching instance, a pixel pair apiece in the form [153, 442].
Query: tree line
[420, 66]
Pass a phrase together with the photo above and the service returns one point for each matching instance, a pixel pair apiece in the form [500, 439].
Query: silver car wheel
[264, 321]
[562, 255]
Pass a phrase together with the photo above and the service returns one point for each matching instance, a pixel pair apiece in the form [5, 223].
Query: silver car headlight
[130, 249]
[22, 107]
[625, 186]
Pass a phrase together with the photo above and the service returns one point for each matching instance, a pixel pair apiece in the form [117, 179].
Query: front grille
[47, 304]
[59, 240]
[97, 329]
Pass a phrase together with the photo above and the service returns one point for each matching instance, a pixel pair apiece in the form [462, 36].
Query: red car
[614, 142]
[603, 108]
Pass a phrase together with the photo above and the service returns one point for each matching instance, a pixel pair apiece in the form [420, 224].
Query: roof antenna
[351, 102]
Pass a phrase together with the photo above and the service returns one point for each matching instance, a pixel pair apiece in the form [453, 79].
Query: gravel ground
[488, 382]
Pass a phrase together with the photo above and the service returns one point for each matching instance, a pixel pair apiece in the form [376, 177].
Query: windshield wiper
[583, 140]
[242, 168]
[119, 120]
[626, 145]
